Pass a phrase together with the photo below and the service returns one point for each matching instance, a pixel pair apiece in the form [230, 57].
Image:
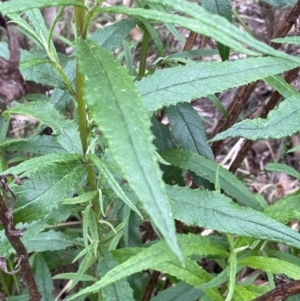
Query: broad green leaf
[15, 6]
[281, 122]
[273, 265]
[49, 241]
[280, 3]
[165, 87]
[278, 167]
[49, 180]
[188, 129]
[179, 292]
[119, 290]
[43, 278]
[40, 144]
[65, 130]
[155, 255]
[223, 9]
[112, 36]
[112, 182]
[213, 210]
[285, 209]
[119, 113]
[294, 259]
[241, 293]
[277, 82]
[202, 23]
[207, 169]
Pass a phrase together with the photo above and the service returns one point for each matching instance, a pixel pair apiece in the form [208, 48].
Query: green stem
[81, 111]
[144, 51]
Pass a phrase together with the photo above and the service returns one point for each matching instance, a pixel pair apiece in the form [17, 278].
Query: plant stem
[144, 52]
[81, 111]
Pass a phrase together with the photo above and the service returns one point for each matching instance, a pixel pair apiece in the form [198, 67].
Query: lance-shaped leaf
[65, 130]
[223, 9]
[203, 23]
[186, 83]
[48, 180]
[213, 210]
[155, 257]
[15, 6]
[117, 109]
[281, 122]
[207, 169]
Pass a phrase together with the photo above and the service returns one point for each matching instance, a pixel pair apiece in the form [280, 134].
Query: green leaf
[280, 3]
[43, 278]
[165, 87]
[285, 209]
[213, 210]
[49, 241]
[288, 40]
[15, 6]
[112, 36]
[188, 129]
[65, 130]
[202, 23]
[119, 113]
[241, 293]
[119, 290]
[273, 265]
[112, 182]
[223, 9]
[279, 84]
[154, 256]
[179, 292]
[278, 167]
[49, 180]
[81, 198]
[281, 122]
[207, 169]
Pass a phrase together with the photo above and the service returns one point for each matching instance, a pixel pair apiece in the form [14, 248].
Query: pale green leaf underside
[207, 169]
[281, 122]
[278, 167]
[288, 40]
[273, 265]
[65, 130]
[186, 83]
[213, 210]
[15, 6]
[117, 109]
[203, 23]
[156, 255]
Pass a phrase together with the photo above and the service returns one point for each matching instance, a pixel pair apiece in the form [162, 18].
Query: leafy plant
[111, 170]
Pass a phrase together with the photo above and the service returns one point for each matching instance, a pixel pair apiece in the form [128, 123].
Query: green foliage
[111, 188]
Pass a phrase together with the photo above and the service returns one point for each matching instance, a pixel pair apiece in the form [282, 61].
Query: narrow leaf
[188, 129]
[165, 87]
[212, 210]
[281, 122]
[273, 265]
[119, 112]
[277, 167]
[279, 84]
[65, 130]
[15, 6]
[207, 169]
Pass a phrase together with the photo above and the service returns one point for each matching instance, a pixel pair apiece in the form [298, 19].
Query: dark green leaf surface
[112, 36]
[154, 256]
[188, 129]
[223, 9]
[117, 109]
[119, 290]
[273, 265]
[281, 122]
[51, 179]
[213, 210]
[15, 6]
[65, 130]
[186, 83]
[43, 278]
[207, 169]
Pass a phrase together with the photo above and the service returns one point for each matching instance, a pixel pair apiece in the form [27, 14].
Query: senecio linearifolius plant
[86, 211]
